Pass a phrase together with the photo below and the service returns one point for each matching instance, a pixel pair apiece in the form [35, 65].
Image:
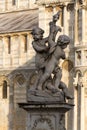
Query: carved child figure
[39, 45]
[52, 63]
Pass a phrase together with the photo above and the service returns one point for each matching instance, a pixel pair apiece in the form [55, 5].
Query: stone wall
[17, 51]
[14, 5]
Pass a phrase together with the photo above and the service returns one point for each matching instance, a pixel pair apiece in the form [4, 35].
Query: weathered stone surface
[72, 26]
[45, 97]
[46, 117]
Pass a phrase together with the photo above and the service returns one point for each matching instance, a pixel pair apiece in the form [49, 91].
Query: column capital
[70, 6]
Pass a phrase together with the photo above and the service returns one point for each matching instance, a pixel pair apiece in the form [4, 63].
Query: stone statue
[39, 45]
[47, 95]
[48, 54]
[52, 61]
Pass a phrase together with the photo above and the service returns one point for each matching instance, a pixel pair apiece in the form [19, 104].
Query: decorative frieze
[43, 120]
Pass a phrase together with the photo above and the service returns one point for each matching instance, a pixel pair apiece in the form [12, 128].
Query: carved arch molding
[4, 78]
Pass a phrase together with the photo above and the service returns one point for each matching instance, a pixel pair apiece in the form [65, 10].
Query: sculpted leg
[48, 71]
[57, 77]
[44, 77]
[65, 90]
[39, 74]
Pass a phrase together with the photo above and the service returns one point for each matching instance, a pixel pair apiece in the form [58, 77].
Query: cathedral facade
[17, 57]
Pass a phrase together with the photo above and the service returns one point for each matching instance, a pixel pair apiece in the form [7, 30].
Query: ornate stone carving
[70, 7]
[48, 82]
[46, 93]
[17, 78]
[62, 122]
[20, 79]
[42, 120]
[3, 78]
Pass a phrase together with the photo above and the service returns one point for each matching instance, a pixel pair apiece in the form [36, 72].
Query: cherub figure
[47, 58]
[52, 62]
[39, 45]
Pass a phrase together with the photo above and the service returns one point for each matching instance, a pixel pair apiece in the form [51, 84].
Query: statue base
[45, 97]
[46, 117]
[45, 110]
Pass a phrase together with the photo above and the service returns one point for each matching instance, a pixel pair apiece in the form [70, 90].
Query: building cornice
[47, 2]
[80, 47]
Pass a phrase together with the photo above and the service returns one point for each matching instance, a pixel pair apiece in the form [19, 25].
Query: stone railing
[41, 2]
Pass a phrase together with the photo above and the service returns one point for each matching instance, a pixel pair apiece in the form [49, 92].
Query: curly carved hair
[37, 30]
[63, 39]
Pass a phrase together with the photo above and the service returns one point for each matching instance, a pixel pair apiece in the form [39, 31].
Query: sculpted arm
[63, 56]
[45, 39]
[39, 48]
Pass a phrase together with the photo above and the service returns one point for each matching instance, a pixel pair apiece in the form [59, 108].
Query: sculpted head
[63, 41]
[37, 33]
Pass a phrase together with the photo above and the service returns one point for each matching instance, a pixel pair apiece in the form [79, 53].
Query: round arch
[67, 65]
[84, 72]
[4, 78]
[79, 73]
[18, 78]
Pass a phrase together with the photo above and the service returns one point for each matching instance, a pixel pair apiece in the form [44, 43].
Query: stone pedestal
[46, 117]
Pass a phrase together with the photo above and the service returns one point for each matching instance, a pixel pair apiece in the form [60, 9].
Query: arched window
[4, 91]
[67, 65]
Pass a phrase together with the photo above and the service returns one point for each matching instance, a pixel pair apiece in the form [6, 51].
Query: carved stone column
[83, 26]
[75, 102]
[79, 112]
[82, 107]
[65, 20]
[75, 109]
[11, 106]
[76, 25]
